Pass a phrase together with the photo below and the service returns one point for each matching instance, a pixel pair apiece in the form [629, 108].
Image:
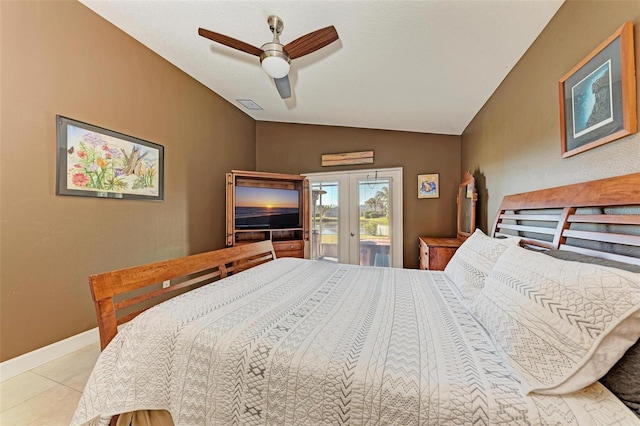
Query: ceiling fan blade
[231, 42]
[311, 42]
[283, 86]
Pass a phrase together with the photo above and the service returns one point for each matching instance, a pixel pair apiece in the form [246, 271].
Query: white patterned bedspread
[299, 342]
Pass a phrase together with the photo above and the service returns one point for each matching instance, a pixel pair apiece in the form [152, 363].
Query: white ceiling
[423, 66]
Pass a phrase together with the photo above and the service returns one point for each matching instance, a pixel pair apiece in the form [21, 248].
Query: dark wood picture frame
[97, 162]
[598, 96]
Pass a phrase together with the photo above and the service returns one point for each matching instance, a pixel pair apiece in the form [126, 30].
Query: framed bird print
[96, 162]
[598, 96]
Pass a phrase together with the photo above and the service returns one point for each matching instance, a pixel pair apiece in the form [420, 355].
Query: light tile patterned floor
[47, 395]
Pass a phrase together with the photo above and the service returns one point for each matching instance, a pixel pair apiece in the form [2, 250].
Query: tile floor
[47, 395]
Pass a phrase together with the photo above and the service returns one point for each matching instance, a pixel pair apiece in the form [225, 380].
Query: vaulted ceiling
[423, 66]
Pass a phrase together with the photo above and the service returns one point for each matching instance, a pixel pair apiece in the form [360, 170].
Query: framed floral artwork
[96, 162]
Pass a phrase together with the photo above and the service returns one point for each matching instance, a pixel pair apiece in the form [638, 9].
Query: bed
[505, 335]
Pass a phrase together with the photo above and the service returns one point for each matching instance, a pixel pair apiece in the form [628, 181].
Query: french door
[356, 217]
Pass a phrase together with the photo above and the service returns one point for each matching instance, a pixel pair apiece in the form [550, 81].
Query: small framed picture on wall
[429, 185]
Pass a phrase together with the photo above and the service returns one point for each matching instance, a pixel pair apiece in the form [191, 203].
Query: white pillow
[559, 325]
[473, 261]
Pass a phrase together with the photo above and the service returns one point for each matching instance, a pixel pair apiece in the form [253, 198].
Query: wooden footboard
[121, 295]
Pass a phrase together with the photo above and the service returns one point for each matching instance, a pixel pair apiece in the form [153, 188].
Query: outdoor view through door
[352, 217]
[325, 234]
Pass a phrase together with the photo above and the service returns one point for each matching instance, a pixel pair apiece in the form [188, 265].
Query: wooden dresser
[435, 253]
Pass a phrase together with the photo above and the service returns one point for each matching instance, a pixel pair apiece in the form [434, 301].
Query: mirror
[467, 197]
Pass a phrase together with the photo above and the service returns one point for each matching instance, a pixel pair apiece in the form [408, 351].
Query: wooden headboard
[598, 218]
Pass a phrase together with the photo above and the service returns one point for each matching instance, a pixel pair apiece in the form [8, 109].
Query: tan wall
[61, 58]
[297, 148]
[513, 144]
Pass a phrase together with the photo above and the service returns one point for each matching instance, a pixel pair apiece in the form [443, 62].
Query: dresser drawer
[424, 255]
[293, 248]
[439, 257]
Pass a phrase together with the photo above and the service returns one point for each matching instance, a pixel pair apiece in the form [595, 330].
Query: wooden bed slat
[537, 243]
[143, 298]
[523, 228]
[602, 254]
[534, 217]
[609, 219]
[559, 238]
[631, 240]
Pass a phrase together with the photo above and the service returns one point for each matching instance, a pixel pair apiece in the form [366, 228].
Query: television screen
[273, 208]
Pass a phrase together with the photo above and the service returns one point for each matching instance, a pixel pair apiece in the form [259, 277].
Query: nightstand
[435, 253]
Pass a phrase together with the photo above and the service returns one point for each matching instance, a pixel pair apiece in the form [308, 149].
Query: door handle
[353, 235]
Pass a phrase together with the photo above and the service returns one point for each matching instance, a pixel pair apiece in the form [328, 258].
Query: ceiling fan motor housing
[275, 60]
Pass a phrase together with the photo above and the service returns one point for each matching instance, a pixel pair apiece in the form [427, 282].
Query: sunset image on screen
[259, 207]
[247, 196]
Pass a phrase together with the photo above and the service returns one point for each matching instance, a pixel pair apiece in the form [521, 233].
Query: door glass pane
[374, 225]
[324, 221]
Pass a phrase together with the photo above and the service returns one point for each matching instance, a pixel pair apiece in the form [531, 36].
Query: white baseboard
[14, 366]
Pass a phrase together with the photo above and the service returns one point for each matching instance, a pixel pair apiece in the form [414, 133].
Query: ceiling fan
[274, 57]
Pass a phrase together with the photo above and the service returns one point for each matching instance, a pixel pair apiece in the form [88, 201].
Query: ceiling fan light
[274, 60]
[275, 66]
